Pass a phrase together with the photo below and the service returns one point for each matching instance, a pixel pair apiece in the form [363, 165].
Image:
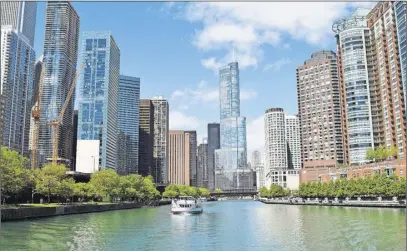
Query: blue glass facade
[98, 94]
[400, 8]
[231, 171]
[128, 124]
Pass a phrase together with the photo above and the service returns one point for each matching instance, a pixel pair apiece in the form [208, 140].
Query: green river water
[226, 225]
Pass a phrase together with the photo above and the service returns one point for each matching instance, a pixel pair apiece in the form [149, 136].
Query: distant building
[146, 137]
[17, 79]
[99, 89]
[128, 125]
[75, 138]
[275, 141]
[258, 166]
[202, 166]
[193, 159]
[292, 136]
[34, 99]
[400, 9]
[160, 145]
[60, 60]
[179, 157]
[213, 144]
[231, 170]
[21, 16]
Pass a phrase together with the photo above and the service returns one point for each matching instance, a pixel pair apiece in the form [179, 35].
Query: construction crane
[56, 123]
[36, 112]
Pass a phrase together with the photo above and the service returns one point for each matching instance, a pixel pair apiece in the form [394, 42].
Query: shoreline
[349, 203]
[35, 212]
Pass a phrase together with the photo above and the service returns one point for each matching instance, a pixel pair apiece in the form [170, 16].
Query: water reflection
[226, 225]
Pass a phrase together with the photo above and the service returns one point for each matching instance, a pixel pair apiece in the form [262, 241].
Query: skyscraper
[275, 142]
[60, 58]
[179, 157]
[202, 166]
[213, 144]
[400, 9]
[146, 137]
[99, 90]
[74, 138]
[34, 99]
[21, 15]
[258, 166]
[292, 136]
[193, 160]
[160, 145]
[128, 124]
[319, 111]
[17, 79]
[231, 172]
[353, 37]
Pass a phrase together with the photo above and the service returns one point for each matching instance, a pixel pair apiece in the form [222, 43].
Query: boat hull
[186, 210]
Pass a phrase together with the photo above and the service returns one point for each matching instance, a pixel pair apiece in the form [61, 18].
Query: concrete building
[17, 79]
[146, 137]
[231, 170]
[60, 60]
[353, 37]
[193, 158]
[319, 111]
[282, 149]
[21, 15]
[34, 99]
[128, 125]
[75, 138]
[258, 166]
[385, 77]
[202, 165]
[99, 88]
[213, 144]
[160, 145]
[179, 157]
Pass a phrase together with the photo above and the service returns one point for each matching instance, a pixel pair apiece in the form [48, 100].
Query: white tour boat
[186, 204]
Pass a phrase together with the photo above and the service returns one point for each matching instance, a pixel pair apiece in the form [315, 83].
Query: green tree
[217, 190]
[48, 178]
[84, 190]
[393, 151]
[14, 175]
[65, 188]
[381, 153]
[204, 192]
[370, 154]
[106, 182]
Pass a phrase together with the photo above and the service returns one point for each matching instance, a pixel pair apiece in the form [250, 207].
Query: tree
[393, 151]
[217, 190]
[204, 192]
[106, 183]
[65, 188]
[170, 194]
[381, 153]
[370, 154]
[14, 175]
[48, 178]
[84, 190]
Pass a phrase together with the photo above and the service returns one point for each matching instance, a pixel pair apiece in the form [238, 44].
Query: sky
[177, 48]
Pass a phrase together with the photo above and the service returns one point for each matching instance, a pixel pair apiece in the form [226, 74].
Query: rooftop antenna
[233, 54]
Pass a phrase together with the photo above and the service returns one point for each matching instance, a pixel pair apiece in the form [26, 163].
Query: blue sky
[176, 48]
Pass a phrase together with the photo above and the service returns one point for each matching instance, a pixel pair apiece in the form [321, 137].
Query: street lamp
[94, 162]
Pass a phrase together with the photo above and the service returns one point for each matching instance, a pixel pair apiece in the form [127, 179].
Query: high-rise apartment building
[400, 9]
[60, 61]
[386, 76]
[160, 145]
[319, 111]
[21, 15]
[98, 99]
[17, 79]
[213, 144]
[128, 125]
[202, 165]
[258, 165]
[193, 159]
[282, 149]
[292, 136]
[146, 137]
[275, 147]
[74, 138]
[231, 172]
[358, 111]
[179, 157]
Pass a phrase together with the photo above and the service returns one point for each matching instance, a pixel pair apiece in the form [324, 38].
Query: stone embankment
[347, 202]
[28, 212]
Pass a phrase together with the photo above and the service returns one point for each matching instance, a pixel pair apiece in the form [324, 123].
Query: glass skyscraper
[400, 9]
[60, 58]
[213, 144]
[231, 172]
[17, 79]
[98, 94]
[128, 125]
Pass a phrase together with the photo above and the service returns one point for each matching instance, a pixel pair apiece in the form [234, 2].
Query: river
[226, 225]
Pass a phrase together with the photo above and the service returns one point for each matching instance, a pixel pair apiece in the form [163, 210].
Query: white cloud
[204, 94]
[277, 65]
[180, 121]
[255, 135]
[247, 27]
